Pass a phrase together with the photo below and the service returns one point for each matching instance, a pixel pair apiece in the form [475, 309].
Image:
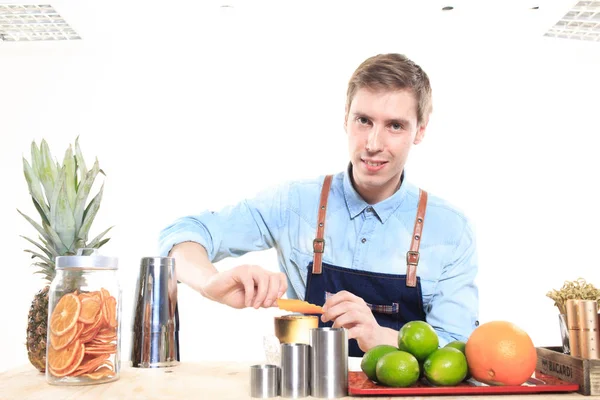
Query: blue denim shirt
[357, 235]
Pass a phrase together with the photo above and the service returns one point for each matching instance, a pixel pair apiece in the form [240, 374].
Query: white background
[189, 107]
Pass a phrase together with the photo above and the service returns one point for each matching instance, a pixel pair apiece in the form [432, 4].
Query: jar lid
[92, 261]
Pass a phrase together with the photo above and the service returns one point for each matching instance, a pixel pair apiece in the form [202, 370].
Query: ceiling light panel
[33, 22]
[582, 22]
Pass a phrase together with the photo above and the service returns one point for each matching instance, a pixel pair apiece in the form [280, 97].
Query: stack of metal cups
[155, 330]
[318, 369]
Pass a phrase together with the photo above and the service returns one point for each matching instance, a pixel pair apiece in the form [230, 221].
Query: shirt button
[363, 240]
[369, 209]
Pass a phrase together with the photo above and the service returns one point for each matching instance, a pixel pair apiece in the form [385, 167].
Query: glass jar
[84, 320]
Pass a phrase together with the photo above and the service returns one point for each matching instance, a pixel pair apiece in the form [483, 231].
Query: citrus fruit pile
[496, 353]
[418, 354]
[83, 335]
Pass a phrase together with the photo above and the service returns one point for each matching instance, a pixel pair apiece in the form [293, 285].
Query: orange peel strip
[299, 306]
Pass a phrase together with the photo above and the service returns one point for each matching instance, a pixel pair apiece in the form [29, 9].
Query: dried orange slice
[90, 363]
[65, 314]
[62, 341]
[100, 373]
[90, 306]
[78, 357]
[299, 306]
[111, 311]
[62, 359]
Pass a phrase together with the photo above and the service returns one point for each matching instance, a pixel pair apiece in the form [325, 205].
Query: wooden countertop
[204, 380]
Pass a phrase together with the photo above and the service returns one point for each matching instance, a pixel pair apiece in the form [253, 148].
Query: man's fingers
[248, 282]
[272, 292]
[340, 297]
[282, 284]
[333, 313]
[262, 280]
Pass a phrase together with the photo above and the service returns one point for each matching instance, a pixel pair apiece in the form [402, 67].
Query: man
[366, 244]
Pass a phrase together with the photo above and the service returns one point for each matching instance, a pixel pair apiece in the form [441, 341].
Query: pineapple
[59, 194]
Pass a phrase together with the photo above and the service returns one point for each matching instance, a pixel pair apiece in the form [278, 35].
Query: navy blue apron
[394, 299]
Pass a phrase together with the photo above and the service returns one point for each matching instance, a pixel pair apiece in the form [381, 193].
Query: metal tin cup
[573, 327]
[589, 331]
[264, 381]
[329, 362]
[295, 328]
[155, 331]
[295, 370]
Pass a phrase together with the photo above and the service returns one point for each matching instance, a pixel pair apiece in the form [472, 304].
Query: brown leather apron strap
[412, 256]
[319, 242]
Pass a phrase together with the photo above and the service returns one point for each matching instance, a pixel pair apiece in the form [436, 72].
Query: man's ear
[421, 131]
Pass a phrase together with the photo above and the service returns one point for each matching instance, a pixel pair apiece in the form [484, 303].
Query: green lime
[446, 367]
[370, 358]
[418, 338]
[397, 369]
[457, 344]
[460, 345]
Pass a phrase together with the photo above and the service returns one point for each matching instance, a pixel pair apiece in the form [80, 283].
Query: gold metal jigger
[295, 328]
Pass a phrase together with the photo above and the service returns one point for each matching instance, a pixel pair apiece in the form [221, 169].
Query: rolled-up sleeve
[251, 225]
[454, 310]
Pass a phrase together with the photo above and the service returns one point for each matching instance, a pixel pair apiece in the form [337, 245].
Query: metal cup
[155, 331]
[295, 370]
[264, 381]
[329, 362]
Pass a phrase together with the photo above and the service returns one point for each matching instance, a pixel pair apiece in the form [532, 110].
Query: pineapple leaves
[79, 163]
[35, 189]
[82, 194]
[45, 270]
[41, 212]
[60, 195]
[71, 176]
[61, 214]
[47, 170]
[49, 251]
[95, 243]
[49, 235]
[102, 243]
[38, 255]
[89, 214]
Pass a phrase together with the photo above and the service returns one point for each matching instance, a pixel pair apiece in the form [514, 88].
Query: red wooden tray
[359, 384]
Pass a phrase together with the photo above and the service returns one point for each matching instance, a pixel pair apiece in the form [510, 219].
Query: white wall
[204, 109]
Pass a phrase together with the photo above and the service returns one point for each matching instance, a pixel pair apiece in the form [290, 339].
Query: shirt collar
[384, 209]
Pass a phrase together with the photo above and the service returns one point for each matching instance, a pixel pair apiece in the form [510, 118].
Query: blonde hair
[392, 72]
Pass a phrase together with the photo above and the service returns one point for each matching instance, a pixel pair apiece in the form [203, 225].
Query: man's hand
[351, 312]
[246, 286]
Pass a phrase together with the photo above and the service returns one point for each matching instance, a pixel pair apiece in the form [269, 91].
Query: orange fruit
[100, 373]
[90, 306]
[60, 342]
[500, 353]
[62, 359]
[65, 314]
[83, 335]
[77, 358]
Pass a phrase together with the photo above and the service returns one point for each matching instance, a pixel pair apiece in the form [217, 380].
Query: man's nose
[374, 140]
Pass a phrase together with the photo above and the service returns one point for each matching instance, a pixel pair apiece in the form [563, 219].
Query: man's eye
[362, 120]
[396, 127]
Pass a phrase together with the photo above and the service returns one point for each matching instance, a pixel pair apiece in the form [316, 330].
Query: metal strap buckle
[319, 242]
[412, 257]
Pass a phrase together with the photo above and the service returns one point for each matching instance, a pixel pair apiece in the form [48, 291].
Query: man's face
[381, 128]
